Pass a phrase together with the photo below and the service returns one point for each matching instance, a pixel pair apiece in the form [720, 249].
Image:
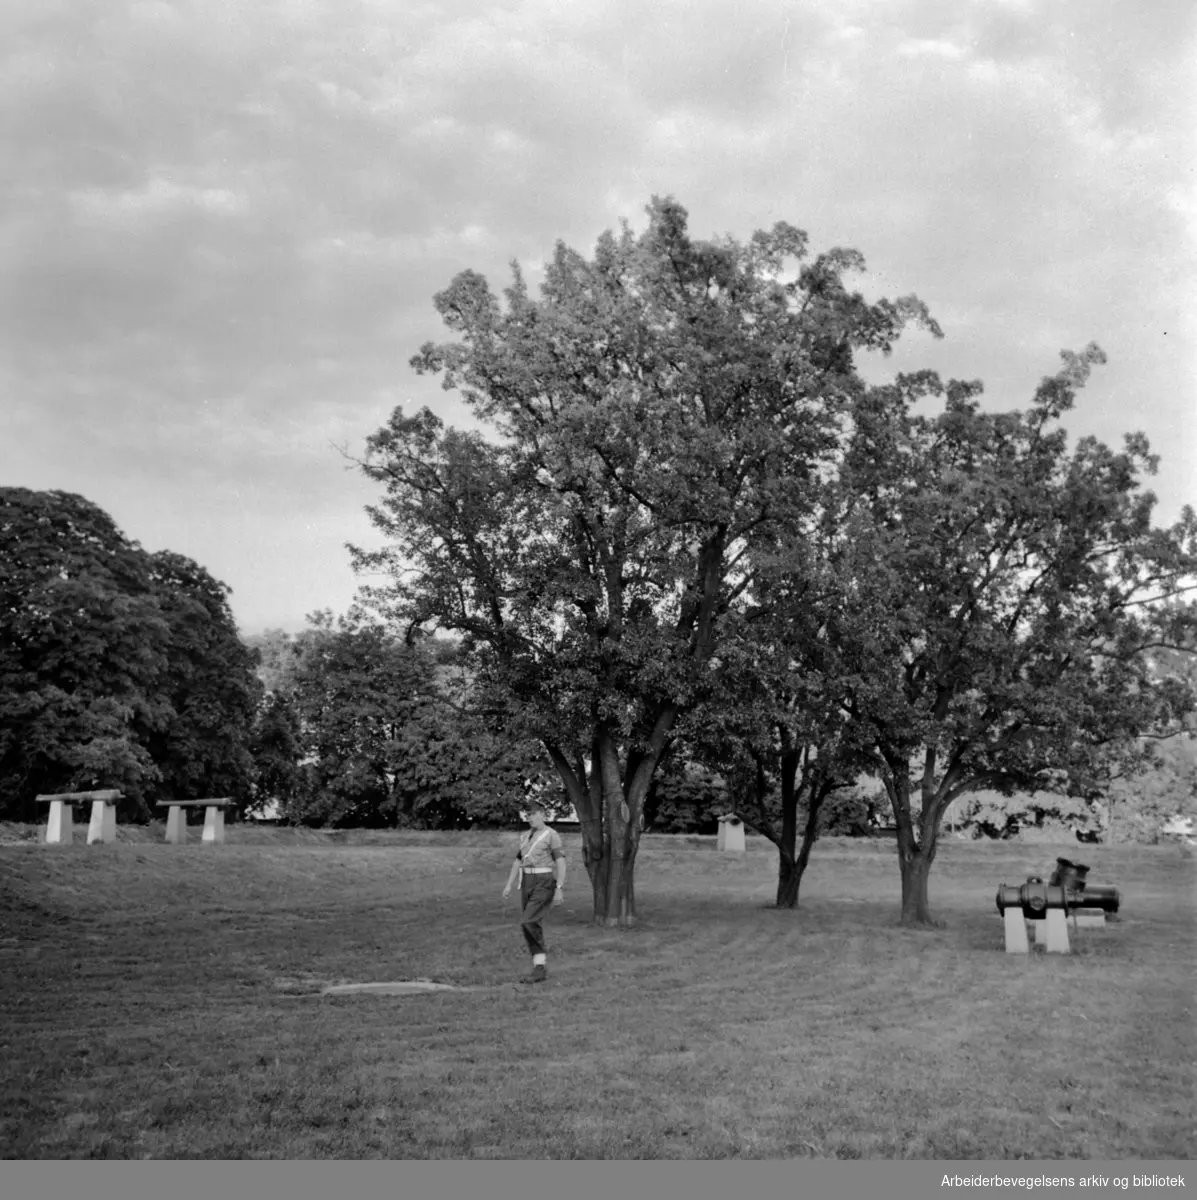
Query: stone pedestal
[60, 828]
[213, 825]
[176, 825]
[731, 835]
[102, 826]
[1056, 931]
[1016, 931]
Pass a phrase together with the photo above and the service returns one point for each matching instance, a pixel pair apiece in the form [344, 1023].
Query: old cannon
[1035, 897]
[1049, 904]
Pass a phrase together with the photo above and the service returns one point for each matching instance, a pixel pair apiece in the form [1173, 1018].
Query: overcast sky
[222, 222]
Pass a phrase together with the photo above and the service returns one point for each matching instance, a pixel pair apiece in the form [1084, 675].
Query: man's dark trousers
[536, 892]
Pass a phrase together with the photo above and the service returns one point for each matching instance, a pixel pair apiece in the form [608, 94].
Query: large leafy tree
[276, 747]
[276, 742]
[82, 649]
[117, 668]
[202, 745]
[651, 411]
[781, 732]
[1002, 602]
[785, 756]
[381, 733]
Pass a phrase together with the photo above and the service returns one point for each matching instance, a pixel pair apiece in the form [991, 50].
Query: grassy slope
[157, 1002]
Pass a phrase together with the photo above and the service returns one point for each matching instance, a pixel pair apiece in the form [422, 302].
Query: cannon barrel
[1035, 897]
[1096, 895]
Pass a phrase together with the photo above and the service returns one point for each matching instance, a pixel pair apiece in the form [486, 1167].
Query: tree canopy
[366, 729]
[118, 668]
[647, 416]
[1002, 604]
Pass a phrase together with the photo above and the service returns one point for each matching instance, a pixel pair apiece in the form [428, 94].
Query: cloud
[929, 48]
[156, 198]
[222, 225]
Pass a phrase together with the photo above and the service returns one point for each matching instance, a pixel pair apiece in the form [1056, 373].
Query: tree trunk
[585, 791]
[610, 808]
[789, 878]
[615, 887]
[810, 835]
[613, 899]
[610, 861]
[914, 858]
[792, 867]
[916, 869]
[914, 863]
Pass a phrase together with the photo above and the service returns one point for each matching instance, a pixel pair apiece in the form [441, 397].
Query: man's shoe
[539, 975]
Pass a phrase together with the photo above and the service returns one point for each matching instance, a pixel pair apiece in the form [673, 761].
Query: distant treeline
[120, 668]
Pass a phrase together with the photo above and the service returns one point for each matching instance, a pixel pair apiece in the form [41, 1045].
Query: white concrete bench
[60, 827]
[176, 818]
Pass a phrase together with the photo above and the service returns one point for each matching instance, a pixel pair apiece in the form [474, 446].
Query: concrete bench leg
[1057, 931]
[60, 826]
[176, 825]
[1016, 931]
[102, 826]
[213, 825]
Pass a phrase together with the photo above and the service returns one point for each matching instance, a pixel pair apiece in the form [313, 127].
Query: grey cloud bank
[221, 226]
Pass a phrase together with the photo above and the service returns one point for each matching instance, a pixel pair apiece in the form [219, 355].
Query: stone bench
[60, 828]
[176, 818]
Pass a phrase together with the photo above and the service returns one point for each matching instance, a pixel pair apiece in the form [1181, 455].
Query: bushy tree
[781, 743]
[1137, 809]
[202, 746]
[652, 410]
[987, 814]
[857, 811]
[780, 731]
[1000, 605]
[277, 751]
[375, 731]
[117, 668]
[685, 796]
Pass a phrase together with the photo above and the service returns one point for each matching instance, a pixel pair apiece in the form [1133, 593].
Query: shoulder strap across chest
[544, 833]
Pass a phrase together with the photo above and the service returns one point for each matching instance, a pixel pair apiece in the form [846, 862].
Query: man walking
[540, 867]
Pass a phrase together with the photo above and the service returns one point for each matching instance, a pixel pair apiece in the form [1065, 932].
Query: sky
[222, 223]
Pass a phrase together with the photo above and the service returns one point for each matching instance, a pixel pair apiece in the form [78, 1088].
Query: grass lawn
[161, 1002]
